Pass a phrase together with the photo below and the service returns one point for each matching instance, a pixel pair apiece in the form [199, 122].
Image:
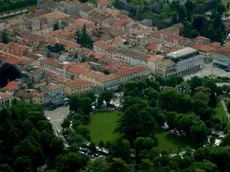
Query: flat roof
[181, 53]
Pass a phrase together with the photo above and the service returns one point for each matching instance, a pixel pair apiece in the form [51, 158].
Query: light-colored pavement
[209, 70]
[57, 116]
[225, 109]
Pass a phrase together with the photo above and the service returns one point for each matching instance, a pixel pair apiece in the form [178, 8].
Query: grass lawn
[170, 142]
[102, 125]
[220, 113]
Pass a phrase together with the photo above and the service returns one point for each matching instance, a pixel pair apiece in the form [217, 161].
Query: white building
[187, 61]
[113, 81]
[5, 99]
[221, 57]
[54, 93]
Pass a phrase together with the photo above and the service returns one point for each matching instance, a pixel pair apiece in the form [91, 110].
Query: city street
[57, 115]
[209, 70]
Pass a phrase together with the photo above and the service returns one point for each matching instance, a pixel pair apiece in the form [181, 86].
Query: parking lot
[56, 116]
[209, 70]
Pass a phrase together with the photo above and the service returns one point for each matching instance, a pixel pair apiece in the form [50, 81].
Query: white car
[48, 118]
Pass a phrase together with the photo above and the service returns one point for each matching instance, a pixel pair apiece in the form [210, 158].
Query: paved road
[57, 116]
[225, 109]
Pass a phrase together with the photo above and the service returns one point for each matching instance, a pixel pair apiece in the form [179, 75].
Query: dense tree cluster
[27, 139]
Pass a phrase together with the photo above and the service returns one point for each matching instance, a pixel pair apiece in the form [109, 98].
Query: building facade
[5, 99]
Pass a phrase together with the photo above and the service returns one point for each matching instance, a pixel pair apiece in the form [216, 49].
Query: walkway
[225, 109]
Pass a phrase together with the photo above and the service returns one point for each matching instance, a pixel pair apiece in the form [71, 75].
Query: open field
[172, 143]
[102, 125]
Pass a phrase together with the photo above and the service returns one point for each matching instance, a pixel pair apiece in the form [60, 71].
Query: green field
[220, 113]
[102, 125]
[172, 143]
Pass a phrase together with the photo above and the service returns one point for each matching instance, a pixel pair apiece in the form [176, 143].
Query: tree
[4, 37]
[92, 148]
[106, 96]
[140, 144]
[118, 165]
[98, 165]
[77, 36]
[198, 132]
[23, 163]
[5, 168]
[121, 148]
[71, 162]
[56, 26]
[220, 8]
[56, 147]
[65, 123]
[136, 122]
[83, 38]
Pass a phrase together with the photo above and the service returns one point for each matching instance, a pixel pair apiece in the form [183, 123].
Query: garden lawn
[172, 143]
[220, 113]
[102, 125]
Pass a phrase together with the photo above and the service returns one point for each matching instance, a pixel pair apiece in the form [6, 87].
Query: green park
[103, 124]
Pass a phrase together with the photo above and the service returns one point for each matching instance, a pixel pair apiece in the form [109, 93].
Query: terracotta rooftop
[166, 62]
[132, 70]
[18, 49]
[204, 48]
[5, 95]
[76, 69]
[151, 47]
[79, 23]
[54, 15]
[104, 2]
[78, 83]
[223, 51]
[134, 54]
[155, 58]
[11, 86]
[101, 44]
[201, 40]
[121, 22]
[51, 63]
[215, 44]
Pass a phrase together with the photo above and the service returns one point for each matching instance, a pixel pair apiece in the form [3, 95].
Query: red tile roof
[11, 86]
[18, 49]
[121, 22]
[155, 58]
[101, 44]
[151, 47]
[202, 40]
[52, 63]
[223, 51]
[104, 2]
[5, 95]
[132, 70]
[204, 48]
[79, 23]
[78, 83]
